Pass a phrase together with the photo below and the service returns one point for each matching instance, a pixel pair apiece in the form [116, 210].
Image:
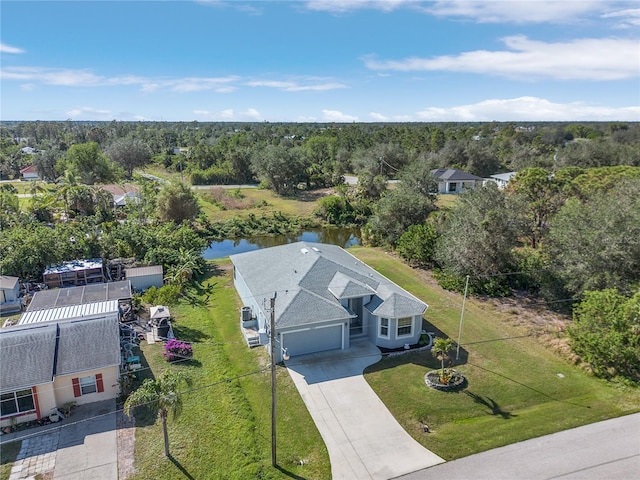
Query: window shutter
[76, 387]
[99, 382]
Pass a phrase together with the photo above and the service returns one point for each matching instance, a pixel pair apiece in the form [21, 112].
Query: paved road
[600, 451]
[363, 439]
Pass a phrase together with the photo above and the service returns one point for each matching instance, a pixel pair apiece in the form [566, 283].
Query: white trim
[398, 327]
[387, 326]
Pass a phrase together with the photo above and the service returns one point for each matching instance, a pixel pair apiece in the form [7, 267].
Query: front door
[355, 325]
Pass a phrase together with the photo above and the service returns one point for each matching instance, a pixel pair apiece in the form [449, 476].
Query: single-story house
[142, 278]
[29, 173]
[9, 294]
[451, 180]
[502, 179]
[124, 194]
[324, 297]
[56, 356]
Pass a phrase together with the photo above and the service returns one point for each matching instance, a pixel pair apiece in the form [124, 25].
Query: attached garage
[311, 340]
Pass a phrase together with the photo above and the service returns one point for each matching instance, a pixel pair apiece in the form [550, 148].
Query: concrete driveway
[363, 439]
[81, 446]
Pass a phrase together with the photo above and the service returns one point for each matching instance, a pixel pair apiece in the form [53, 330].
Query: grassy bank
[517, 387]
[224, 430]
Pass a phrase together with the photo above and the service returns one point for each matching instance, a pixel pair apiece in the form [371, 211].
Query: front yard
[225, 428]
[518, 388]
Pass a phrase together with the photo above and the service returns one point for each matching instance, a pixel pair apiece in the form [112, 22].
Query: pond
[344, 237]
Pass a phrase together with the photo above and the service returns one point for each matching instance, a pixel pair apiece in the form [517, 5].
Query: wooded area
[568, 223]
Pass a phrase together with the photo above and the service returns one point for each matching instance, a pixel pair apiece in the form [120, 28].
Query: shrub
[177, 350]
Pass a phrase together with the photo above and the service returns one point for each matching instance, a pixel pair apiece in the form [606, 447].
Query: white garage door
[314, 340]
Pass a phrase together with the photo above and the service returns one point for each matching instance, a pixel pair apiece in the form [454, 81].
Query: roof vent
[304, 250]
[315, 249]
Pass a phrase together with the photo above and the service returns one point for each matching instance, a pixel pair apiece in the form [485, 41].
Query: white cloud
[527, 109]
[290, 86]
[86, 78]
[378, 117]
[4, 48]
[342, 6]
[491, 11]
[229, 114]
[89, 113]
[628, 18]
[522, 11]
[336, 116]
[581, 59]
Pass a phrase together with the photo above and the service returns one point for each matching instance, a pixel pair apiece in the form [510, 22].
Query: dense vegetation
[568, 223]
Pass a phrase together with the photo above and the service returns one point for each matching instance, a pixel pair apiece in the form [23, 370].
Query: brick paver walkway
[37, 456]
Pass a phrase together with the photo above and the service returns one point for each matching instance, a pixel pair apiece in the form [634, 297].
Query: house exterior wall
[143, 282]
[44, 402]
[64, 388]
[393, 340]
[248, 300]
[10, 294]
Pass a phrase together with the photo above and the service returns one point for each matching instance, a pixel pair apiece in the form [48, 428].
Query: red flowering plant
[177, 350]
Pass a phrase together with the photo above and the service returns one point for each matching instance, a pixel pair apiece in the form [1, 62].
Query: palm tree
[160, 394]
[440, 350]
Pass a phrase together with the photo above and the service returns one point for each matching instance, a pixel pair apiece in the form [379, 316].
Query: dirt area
[126, 438]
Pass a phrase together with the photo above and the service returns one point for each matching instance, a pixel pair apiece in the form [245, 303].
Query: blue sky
[320, 61]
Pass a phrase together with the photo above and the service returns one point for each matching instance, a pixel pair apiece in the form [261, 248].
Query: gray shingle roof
[453, 175]
[310, 278]
[87, 345]
[27, 356]
[29, 352]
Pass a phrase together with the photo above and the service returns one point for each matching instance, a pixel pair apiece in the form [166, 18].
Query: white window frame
[398, 327]
[89, 383]
[381, 326]
[16, 396]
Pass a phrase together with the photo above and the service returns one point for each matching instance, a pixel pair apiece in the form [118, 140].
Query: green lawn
[8, 454]
[260, 202]
[514, 391]
[225, 429]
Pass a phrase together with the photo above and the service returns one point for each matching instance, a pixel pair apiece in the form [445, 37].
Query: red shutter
[99, 382]
[76, 387]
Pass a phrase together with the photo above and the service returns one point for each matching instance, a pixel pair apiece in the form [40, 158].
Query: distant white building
[502, 179]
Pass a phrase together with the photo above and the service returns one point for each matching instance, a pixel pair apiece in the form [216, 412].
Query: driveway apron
[363, 438]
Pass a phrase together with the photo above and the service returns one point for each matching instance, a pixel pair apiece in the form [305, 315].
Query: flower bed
[451, 380]
[177, 350]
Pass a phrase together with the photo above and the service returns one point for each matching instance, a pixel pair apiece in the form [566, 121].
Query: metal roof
[70, 312]
[8, 283]
[92, 293]
[143, 271]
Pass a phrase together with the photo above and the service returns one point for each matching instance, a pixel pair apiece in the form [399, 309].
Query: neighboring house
[29, 173]
[122, 194]
[56, 356]
[325, 297]
[74, 273]
[9, 294]
[77, 296]
[142, 278]
[455, 181]
[502, 179]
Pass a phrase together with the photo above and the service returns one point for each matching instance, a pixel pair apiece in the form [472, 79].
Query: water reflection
[344, 237]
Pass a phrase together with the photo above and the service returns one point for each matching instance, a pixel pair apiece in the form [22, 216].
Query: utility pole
[272, 332]
[464, 300]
